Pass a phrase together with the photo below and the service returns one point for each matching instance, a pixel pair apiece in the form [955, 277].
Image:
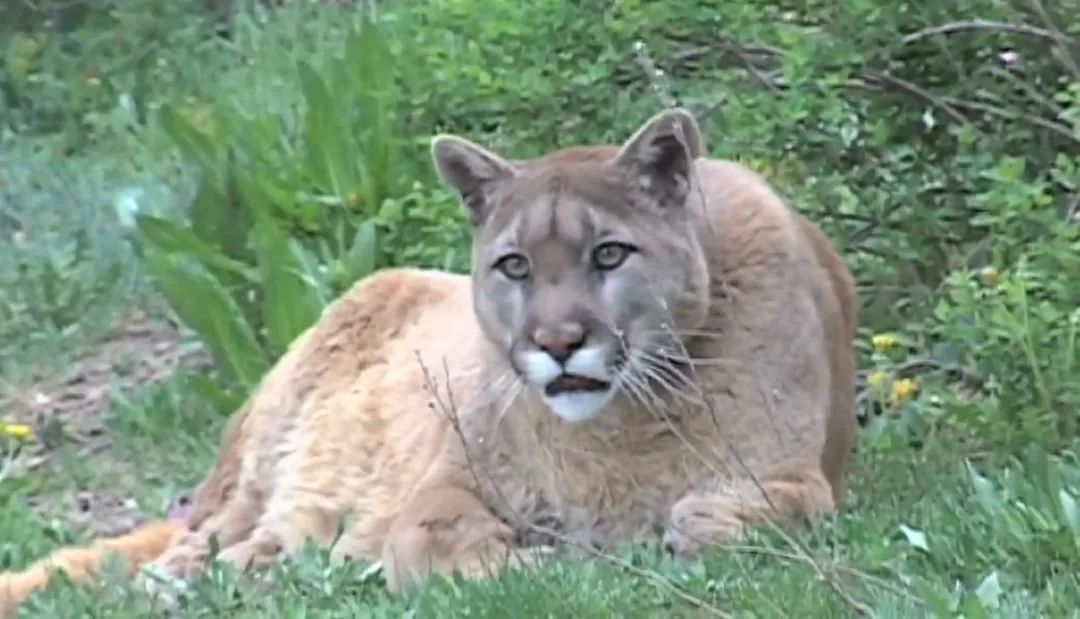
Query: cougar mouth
[566, 383]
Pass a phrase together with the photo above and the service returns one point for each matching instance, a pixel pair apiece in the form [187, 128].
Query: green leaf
[370, 73]
[984, 492]
[1071, 510]
[223, 400]
[171, 238]
[218, 217]
[193, 144]
[915, 537]
[204, 305]
[989, 591]
[290, 302]
[327, 139]
[362, 254]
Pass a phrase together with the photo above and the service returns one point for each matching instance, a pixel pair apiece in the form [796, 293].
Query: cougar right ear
[472, 171]
[660, 156]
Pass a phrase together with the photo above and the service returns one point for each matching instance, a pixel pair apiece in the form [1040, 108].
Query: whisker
[678, 393]
[646, 396]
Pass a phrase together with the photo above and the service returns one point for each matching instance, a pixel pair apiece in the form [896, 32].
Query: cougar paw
[696, 522]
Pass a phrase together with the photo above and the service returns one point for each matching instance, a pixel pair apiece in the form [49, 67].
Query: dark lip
[568, 383]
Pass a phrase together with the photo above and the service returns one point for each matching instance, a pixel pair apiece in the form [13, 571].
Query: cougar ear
[471, 170]
[660, 156]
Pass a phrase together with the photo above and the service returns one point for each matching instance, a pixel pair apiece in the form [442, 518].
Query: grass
[922, 536]
[965, 500]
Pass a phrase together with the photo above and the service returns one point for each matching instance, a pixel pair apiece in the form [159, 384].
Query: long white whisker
[663, 372]
[651, 372]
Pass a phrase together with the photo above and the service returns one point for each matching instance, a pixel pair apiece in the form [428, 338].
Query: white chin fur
[579, 406]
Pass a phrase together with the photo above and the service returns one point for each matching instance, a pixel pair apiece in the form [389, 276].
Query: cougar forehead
[555, 212]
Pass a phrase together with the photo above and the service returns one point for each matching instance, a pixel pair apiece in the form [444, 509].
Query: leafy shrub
[68, 63]
[64, 268]
[284, 215]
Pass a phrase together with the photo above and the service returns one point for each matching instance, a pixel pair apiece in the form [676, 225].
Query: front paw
[696, 522]
[444, 546]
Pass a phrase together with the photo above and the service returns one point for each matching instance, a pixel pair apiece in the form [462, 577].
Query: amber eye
[608, 256]
[514, 266]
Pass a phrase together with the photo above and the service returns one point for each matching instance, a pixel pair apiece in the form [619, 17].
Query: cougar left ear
[660, 156]
[471, 170]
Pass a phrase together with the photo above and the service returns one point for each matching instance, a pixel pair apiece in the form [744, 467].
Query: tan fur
[80, 563]
[402, 407]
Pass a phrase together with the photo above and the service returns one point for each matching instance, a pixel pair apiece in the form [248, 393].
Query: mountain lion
[648, 339]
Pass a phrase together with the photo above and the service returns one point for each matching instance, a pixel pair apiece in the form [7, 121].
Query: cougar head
[586, 262]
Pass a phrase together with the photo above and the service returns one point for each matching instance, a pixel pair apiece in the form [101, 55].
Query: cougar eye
[513, 266]
[608, 256]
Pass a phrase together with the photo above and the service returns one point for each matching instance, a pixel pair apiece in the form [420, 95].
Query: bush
[284, 215]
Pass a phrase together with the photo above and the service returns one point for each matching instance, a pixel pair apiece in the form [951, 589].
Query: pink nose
[559, 341]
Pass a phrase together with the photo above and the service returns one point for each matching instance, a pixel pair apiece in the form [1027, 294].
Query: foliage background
[235, 174]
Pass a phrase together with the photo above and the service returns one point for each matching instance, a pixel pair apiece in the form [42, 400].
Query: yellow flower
[883, 341]
[902, 390]
[19, 431]
[876, 380]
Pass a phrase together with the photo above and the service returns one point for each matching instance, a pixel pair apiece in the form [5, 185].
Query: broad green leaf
[362, 255]
[172, 238]
[223, 400]
[368, 58]
[194, 144]
[204, 305]
[290, 303]
[327, 139]
[218, 217]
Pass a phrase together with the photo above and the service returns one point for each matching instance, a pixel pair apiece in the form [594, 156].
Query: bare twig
[986, 25]
[1062, 42]
[1033, 119]
[885, 80]
[1032, 93]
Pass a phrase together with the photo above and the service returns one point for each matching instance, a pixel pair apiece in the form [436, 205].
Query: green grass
[965, 500]
[923, 535]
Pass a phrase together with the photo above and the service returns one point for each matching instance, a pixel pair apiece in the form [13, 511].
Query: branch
[1057, 128]
[986, 25]
[881, 80]
[1062, 40]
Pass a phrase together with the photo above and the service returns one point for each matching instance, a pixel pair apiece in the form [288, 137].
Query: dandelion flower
[883, 341]
[19, 431]
[876, 380]
[902, 390]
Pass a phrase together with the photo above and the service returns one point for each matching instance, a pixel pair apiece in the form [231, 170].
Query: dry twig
[986, 25]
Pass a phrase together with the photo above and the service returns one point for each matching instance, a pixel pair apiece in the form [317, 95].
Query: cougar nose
[560, 341]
